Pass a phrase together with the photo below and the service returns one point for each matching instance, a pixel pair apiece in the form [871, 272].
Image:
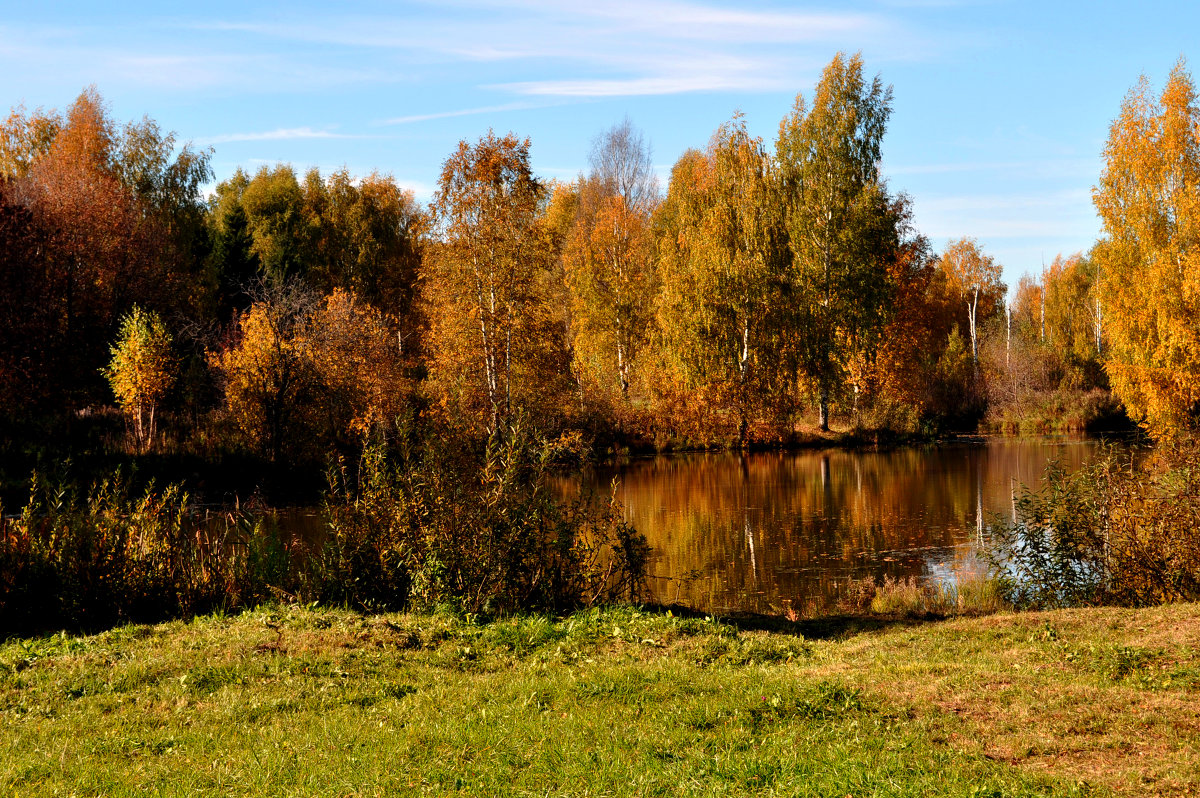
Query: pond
[769, 531]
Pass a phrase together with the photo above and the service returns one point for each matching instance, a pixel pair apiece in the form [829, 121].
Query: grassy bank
[1056, 412]
[293, 701]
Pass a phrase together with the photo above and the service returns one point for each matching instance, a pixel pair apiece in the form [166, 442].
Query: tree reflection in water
[768, 531]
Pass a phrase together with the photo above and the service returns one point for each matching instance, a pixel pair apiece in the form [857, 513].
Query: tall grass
[90, 558]
[969, 592]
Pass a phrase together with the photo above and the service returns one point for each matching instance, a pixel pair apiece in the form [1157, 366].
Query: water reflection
[768, 531]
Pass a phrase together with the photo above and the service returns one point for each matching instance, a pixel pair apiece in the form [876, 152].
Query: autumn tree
[356, 357]
[621, 163]
[359, 234]
[98, 244]
[116, 215]
[1026, 308]
[167, 178]
[492, 349]
[1148, 199]
[722, 268]
[142, 370]
[1070, 315]
[367, 233]
[269, 381]
[24, 138]
[841, 225]
[608, 258]
[901, 376]
[974, 276]
[304, 373]
[275, 209]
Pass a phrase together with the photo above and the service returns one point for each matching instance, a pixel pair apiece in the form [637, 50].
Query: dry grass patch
[1108, 696]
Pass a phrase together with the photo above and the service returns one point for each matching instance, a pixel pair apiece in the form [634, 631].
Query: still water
[769, 531]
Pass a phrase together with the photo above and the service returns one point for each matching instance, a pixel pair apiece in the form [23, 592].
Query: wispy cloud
[705, 21]
[1041, 168]
[487, 109]
[515, 28]
[279, 134]
[634, 87]
[607, 48]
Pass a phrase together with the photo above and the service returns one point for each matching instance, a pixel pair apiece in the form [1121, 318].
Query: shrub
[1122, 530]
[435, 521]
[969, 592]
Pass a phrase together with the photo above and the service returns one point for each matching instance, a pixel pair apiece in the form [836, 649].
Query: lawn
[310, 701]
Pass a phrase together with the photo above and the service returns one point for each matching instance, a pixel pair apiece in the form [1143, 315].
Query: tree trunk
[623, 370]
[972, 306]
[743, 366]
[1007, 336]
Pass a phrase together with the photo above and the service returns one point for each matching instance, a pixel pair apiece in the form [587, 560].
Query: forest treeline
[768, 291]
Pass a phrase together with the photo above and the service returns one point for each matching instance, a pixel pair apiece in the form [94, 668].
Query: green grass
[294, 701]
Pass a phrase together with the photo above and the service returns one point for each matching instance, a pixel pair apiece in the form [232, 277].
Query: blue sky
[1001, 109]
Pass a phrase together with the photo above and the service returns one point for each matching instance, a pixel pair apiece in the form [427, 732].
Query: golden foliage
[609, 268]
[975, 277]
[24, 138]
[1148, 199]
[142, 370]
[722, 259]
[267, 377]
[493, 343]
[329, 370]
[357, 359]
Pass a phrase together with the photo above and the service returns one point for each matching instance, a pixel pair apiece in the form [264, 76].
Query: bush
[435, 521]
[1119, 531]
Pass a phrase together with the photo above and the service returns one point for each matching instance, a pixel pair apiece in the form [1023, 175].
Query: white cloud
[635, 87]
[703, 21]
[279, 134]
[519, 29]
[609, 49]
[488, 109]
[422, 191]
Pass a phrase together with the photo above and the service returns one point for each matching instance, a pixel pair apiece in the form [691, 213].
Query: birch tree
[1148, 199]
[842, 228]
[482, 276]
[142, 370]
[608, 258]
[723, 267]
[972, 275]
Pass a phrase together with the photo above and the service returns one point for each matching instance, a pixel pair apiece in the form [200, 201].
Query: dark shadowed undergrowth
[86, 558]
[428, 521]
[431, 523]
